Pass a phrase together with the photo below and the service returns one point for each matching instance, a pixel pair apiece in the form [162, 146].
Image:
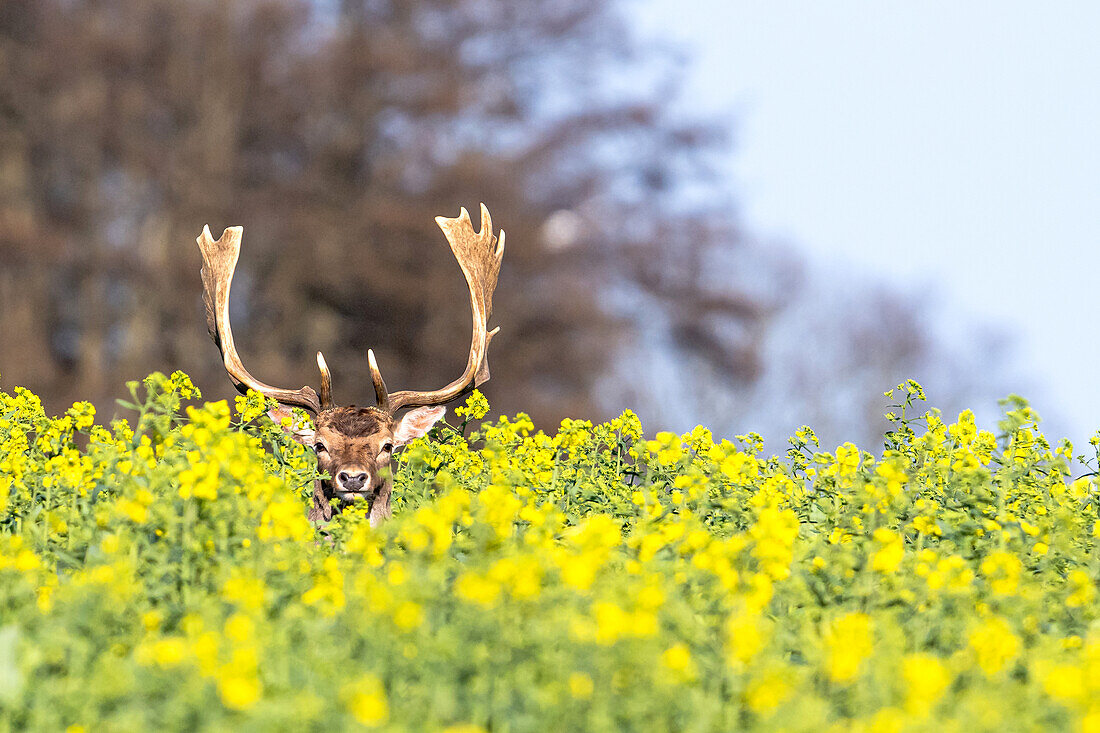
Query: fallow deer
[354, 445]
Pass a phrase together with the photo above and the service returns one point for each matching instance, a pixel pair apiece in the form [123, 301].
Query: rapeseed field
[159, 573]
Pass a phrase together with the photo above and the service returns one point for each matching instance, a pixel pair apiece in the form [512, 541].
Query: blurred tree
[335, 132]
[830, 342]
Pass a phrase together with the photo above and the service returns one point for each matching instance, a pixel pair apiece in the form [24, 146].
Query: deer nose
[351, 481]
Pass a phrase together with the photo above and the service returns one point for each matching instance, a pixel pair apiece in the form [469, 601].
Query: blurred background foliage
[334, 132]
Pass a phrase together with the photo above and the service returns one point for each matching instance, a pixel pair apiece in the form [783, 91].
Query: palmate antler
[219, 260]
[479, 254]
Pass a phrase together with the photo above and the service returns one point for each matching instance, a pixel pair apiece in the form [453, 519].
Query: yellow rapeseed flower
[169, 652]
[847, 644]
[1065, 683]
[1082, 589]
[245, 590]
[367, 701]
[408, 616]
[847, 459]
[477, 589]
[580, 686]
[677, 659]
[239, 628]
[746, 634]
[890, 553]
[926, 678]
[995, 645]
[239, 692]
[767, 691]
[1002, 570]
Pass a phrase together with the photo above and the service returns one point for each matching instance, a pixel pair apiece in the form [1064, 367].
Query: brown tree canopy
[335, 133]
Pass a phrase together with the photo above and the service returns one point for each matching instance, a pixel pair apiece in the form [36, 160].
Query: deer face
[354, 446]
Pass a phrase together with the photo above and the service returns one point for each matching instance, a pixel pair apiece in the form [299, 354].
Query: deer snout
[352, 481]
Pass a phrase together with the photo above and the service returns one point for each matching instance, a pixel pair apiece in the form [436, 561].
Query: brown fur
[353, 442]
[354, 439]
[354, 420]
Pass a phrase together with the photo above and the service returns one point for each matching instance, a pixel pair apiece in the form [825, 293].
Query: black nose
[351, 481]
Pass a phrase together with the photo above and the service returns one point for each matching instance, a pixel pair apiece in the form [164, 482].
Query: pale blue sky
[952, 143]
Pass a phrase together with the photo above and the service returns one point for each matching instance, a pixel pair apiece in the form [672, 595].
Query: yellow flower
[1082, 592]
[887, 720]
[848, 643]
[775, 532]
[667, 447]
[244, 590]
[892, 551]
[151, 620]
[580, 686]
[44, 599]
[408, 616]
[739, 466]
[926, 678]
[367, 701]
[951, 573]
[205, 649]
[964, 431]
[1065, 683]
[476, 406]
[284, 519]
[135, 511]
[239, 628]
[477, 589]
[894, 474]
[847, 459]
[251, 406]
[767, 691]
[612, 622]
[397, 574]
[927, 525]
[522, 576]
[995, 645]
[1002, 569]
[26, 560]
[239, 692]
[579, 571]
[168, 653]
[747, 634]
[677, 659]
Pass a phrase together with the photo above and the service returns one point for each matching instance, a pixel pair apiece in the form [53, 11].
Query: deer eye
[319, 447]
[387, 447]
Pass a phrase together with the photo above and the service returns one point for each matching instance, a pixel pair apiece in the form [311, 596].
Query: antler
[219, 260]
[479, 254]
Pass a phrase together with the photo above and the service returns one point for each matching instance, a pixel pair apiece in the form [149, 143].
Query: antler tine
[326, 382]
[479, 255]
[380, 392]
[219, 260]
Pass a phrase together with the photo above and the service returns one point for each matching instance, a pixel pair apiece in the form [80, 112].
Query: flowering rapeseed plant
[159, 573]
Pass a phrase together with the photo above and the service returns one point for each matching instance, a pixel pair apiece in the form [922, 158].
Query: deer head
[354, 445]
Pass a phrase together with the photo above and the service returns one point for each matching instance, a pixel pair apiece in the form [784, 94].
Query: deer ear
[415, 423]
[303, 433]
